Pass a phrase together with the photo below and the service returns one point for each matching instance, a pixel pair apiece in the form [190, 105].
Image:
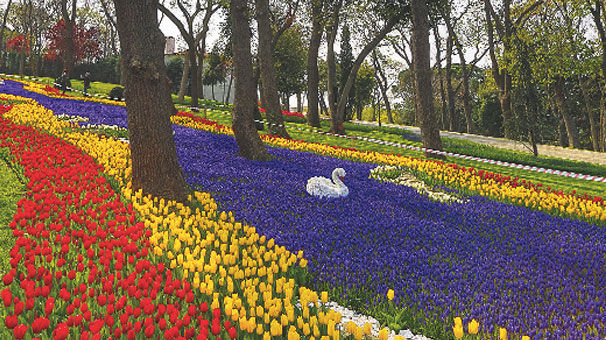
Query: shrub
[117, 92]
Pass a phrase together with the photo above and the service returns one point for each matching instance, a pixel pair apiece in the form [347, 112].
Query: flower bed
[503, 265]
[81, 265]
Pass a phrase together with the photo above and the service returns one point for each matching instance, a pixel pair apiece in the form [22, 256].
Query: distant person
[64, 80]
[86, 81]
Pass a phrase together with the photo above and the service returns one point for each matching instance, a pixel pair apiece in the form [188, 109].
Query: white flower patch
[103, 127]
[69, 118]
[409, 180]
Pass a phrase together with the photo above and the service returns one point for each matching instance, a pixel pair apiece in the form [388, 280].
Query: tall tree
[2, 28]
[68, 41]
[598, 12]
[392, 21]
[156, 169]
[383, 85]
[313, 77]
[336, 125]
[269, 88]
[346, 64]
[188, 32]
[249, 142]
[429, 124]
[506, 26]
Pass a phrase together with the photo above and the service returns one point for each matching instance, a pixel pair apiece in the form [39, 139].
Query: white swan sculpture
[323, 187]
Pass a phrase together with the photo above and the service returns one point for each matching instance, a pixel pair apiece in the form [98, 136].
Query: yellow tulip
[473, 327]
[383, 334]
[458, 331]
[390, 294]
[502, 334]
[525, 337]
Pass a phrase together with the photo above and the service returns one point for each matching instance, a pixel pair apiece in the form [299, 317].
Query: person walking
[64, 80]
[86, 82]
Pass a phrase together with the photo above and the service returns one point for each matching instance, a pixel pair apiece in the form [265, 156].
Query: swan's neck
[337, 180]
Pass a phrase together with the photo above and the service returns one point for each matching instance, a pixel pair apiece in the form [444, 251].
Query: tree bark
[68, 42]
[2, 48]
[269, 87]
[593, 125]
[336, 125]
[382, 81]
[249, 142]
[452, 118]
[501, 77]
[155, 166]
[429, 128]
[358, 62]
[299, 102]
[571, 128]
[183, 86]
[443, 119]
[313, 76]
[465, 74]
[597, 18]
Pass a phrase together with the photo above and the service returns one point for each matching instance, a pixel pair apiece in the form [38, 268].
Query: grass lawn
[11, 191]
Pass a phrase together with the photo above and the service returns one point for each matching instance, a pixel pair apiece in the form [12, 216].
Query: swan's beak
[341, 177]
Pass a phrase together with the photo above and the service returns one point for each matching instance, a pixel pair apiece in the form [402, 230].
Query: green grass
[11, 191]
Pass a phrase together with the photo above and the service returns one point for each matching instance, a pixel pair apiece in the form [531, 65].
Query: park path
[545, 150]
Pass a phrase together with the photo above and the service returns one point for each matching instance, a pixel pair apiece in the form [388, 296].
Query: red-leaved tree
[18, 44]
[86, 43]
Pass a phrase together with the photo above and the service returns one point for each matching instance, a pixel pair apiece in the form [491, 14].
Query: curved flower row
[479, 182]
[250, 280]
[474, 181]
[81, 264]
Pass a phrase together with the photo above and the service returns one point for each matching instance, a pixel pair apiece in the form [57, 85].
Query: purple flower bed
[506, 266]
[97, 113]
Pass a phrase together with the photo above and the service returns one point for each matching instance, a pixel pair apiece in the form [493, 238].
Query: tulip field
[253, 256]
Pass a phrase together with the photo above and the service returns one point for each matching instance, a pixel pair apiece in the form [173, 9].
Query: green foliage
[365, 85]
[346, 59]
[216, 69]
[174, 70]
[290, 60]
[491, 116]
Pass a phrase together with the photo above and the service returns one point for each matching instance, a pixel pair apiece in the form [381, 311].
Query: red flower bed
[55, 91]
[81, 266]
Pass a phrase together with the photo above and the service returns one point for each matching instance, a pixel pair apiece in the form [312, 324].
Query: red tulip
[11, 321]
[19, 331]
[40, 324]
[7, 297]
[61, 332]
[149, 331]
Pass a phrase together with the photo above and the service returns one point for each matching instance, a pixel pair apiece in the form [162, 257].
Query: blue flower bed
[506, 266]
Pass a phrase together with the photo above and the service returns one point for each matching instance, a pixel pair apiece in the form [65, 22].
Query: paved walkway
[545, 150]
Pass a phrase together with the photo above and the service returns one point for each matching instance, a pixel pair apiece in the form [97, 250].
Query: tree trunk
[336, 125]
[299, 103]
[594, 128]
[183, 86]
[571, 128]
[269, 87]
[155, 166]
[2, 48]
[443, 119]
[323, 107]
[193, 70]
[231, 78]
[68, 42]
[313, 77]
[429, 128]
[449, 88]
[382, 81]
[249, 142]
[501, 76]
[597, 18]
